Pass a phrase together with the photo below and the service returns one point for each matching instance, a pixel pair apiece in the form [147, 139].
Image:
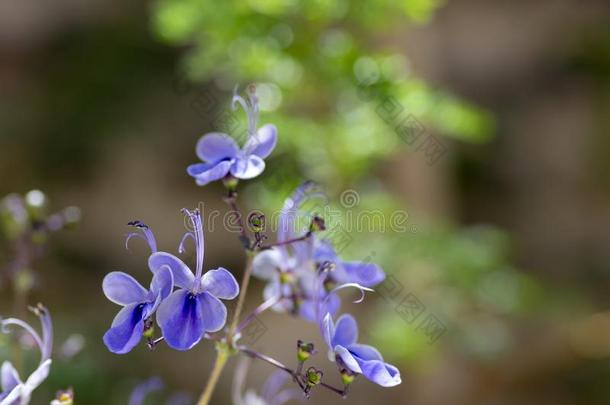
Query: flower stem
[242, 298]
[222, 355]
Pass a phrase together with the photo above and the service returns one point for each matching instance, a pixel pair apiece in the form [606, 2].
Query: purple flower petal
[263, 142]
[330, 305]
[205, 173]
[267, 264]
[38, 376]
[324, 252]
[9, 377]
[373, 367]
[180, 317]
[161, 286]
[214, 312]
[216, 146]
[365, 274]
[183, 276]
[347, 359]
[220, 283]
[123, 289]
[126, 330]
[327, 327]
[162, 282]
[247, 167]
[346, 331]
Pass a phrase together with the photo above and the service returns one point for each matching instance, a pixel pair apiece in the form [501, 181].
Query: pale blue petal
[162, 282]
[346, 331]
[214, 312]
[263, 142]
[247, 167]
[327, 328]
[365, 274]
[10, 377]
[126, 330]
[180, 317]
[347, 359]
[216, 146]
[373, 367]
[183, 276]
[220, 283]
[123, 289]
[308, 312]
[267, 264]
[205, 173]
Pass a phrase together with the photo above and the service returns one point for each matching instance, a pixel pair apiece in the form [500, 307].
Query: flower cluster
[184, 314]
[302, 271]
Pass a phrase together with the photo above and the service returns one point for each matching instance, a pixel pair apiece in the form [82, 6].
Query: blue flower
[344, 272]
[223, 157]
[297, 272]
[138, 303]
[289, 269]
[342, 338]
[15, 391]
[195, 307]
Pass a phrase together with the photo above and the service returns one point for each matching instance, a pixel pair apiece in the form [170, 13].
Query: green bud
[317, 224]
[230, 182]
[347, 377]
[304, 351]
[314, 376]
[149, 332]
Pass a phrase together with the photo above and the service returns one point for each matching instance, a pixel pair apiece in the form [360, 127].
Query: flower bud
[304, 351]
[314, 376]
[256, 221]
[347, 377]
[317, 224]
[230, 182]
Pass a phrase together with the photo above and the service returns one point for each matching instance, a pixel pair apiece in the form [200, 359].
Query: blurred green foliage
[309, 59]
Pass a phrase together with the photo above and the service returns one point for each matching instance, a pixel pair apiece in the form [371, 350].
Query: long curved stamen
[250, 107]
[197, 232]
[45, 344]
[47, 329]
[181, 248]
[350, 285]
[144, 233]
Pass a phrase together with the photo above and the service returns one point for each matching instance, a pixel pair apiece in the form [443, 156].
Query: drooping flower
[223, 157]
[15, 391]
[195, 307]
[342, 338]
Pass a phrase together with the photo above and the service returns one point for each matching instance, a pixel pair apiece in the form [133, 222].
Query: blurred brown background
[90, 112]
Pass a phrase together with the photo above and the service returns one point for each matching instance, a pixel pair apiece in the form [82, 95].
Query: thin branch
[297, 377]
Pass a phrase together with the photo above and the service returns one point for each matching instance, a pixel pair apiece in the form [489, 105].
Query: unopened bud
[314, 376]
[347, 377]
[304, 351]
[230, 182]
[317, 224]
